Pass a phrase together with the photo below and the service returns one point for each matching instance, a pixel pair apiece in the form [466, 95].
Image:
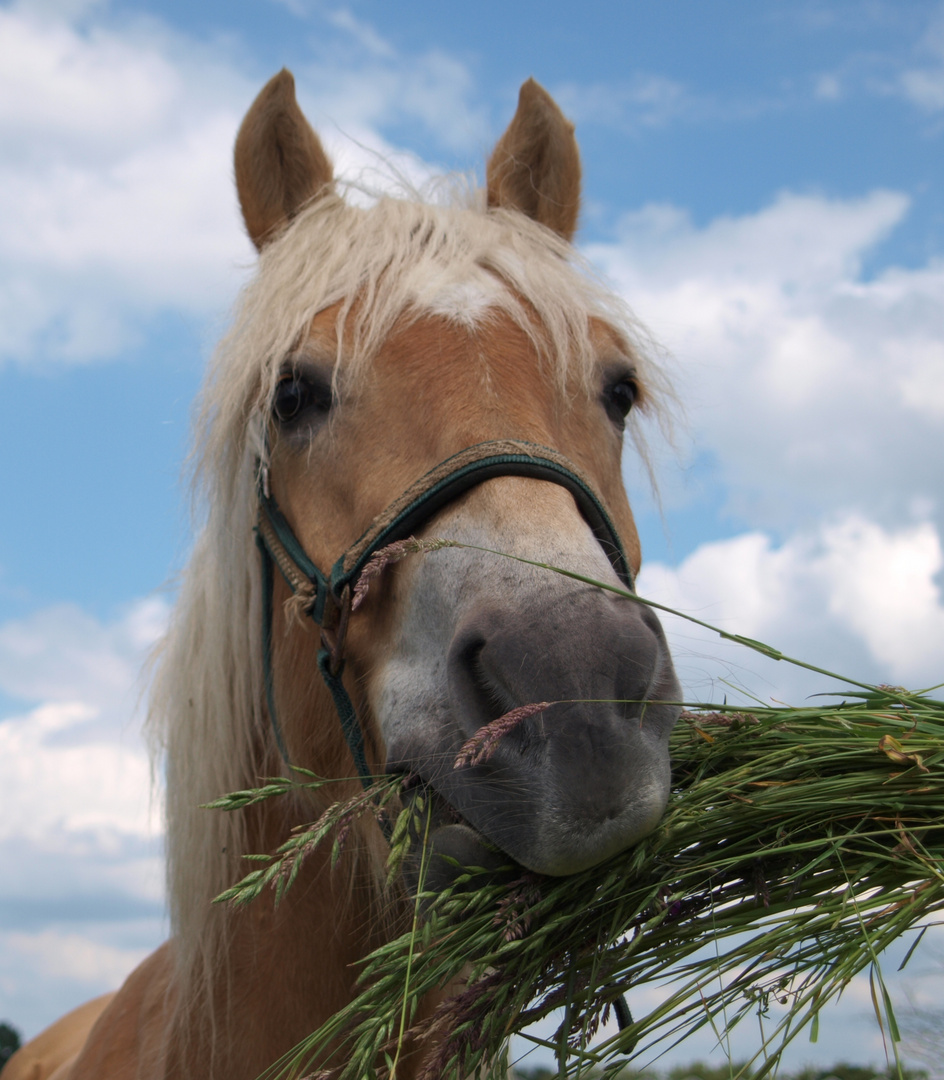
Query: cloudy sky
[763, 184]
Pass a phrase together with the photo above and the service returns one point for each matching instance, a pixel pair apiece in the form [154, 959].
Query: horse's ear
[280, 163]
[535, 168]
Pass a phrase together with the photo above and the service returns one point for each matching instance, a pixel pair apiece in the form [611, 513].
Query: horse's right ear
[535, 168]
[280, 163]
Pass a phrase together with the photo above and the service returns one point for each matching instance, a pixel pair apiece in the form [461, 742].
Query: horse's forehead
[467, 321]
[494, 356]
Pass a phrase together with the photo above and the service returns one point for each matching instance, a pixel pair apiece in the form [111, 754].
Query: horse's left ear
[280, 162]
[535, 167]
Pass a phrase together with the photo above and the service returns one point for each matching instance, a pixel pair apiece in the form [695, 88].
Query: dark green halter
[327, 597]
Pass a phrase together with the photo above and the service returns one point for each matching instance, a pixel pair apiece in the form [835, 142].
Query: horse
[396, 368]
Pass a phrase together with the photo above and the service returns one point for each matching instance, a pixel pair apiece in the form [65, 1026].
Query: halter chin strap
[327, 597]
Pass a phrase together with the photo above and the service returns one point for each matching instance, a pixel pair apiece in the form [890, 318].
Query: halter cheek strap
[326, 597]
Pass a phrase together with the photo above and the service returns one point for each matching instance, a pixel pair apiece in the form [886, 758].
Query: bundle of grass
[797, 845]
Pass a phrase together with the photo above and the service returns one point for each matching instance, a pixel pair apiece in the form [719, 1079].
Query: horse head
[436, 330]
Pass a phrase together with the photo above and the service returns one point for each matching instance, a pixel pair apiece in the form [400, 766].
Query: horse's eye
[295, 395]
[289, 399]
[620, 398]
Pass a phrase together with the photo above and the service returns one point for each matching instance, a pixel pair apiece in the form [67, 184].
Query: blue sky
[763, 184]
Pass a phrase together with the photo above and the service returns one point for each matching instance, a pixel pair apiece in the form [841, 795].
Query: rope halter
[326, 598]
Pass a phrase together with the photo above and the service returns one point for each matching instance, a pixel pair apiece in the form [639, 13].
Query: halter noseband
[327, 597]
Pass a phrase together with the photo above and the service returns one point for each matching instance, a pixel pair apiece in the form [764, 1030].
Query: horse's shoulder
[52, 1051]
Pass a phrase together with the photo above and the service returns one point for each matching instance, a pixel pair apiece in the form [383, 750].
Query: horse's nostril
[503, 658]
[469, 654]
[477, 679]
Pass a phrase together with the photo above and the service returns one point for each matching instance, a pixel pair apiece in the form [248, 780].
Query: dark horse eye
[295, 395]
[620, 398]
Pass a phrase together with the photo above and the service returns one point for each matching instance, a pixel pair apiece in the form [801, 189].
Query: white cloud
[922, 380]
[814, 389]
[75, 957]
[849, 597]
[85, 89]
[82, 888]
[882, 586]
[62, 654]
[116, 182]
[74, 768]
[56, 790]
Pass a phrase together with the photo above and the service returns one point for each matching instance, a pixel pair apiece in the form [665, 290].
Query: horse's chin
[445, 847]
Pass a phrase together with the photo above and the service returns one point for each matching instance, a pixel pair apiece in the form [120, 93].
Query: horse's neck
[288, 967]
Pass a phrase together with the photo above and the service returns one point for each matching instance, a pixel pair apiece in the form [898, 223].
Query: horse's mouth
[445, 846]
